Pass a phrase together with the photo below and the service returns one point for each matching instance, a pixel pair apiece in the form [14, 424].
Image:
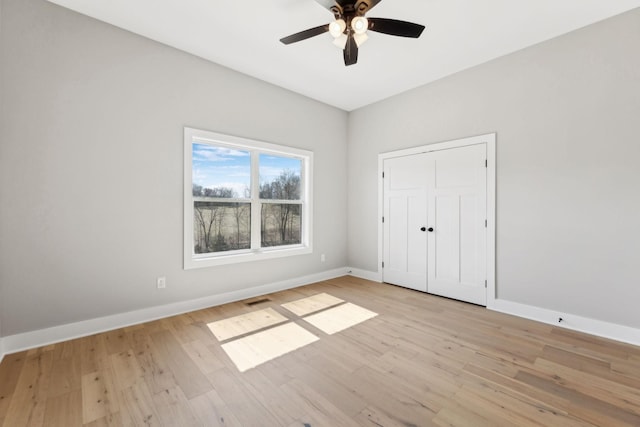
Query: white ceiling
[244, 36]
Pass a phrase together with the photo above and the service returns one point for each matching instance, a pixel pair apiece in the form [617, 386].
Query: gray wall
[91, 168]
[566, 113]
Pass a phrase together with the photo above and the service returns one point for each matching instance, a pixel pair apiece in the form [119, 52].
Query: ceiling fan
[349, 30]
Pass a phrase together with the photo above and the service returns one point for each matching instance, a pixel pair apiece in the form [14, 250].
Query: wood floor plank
[347, 356]
[588, 407]
[126, 369]
[28, 403]
[587, 364]
[186, 373]
[203, 357]
[93, 354]
[116, 341]
[137, 407]
[111, 420]
[66, 375]
[475, 402]
[628, 368]
[272, 398]
[277, 371]
[187, 331]
[507, 382]
[433, 385]
[492, 400]
[64, 410]
[372, 416]
[316, 406]
[10, 370]
[459, 415]
[422, 361]
[248, 410]
[210, 410]
[405, 408]
[618, 394]
[595, 345]
[66, 349]
[173, 408]
[332, 383]
[154, 369]
[99, 398]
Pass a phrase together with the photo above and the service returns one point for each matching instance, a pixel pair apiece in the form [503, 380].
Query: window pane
[220, 172]
[281, 224]
[219, 226]
[279, 177]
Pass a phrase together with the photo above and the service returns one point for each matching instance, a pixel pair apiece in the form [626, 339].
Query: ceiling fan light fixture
[350, 27]
[360, 38]
[360, 24]
[341, 41]
[337, 27]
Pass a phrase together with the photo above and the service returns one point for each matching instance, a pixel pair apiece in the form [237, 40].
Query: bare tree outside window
[281, 221]
[220, 226]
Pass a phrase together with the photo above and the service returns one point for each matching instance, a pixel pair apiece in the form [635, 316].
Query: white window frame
[192, 260]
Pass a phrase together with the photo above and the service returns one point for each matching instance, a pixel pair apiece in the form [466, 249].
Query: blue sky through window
[216, 166]
[272, 166]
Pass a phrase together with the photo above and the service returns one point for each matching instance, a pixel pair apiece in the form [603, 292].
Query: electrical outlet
[323, 258]
[161, 282]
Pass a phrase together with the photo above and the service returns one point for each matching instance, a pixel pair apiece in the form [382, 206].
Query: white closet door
[434, 222]
[457, 199]
[405, 214]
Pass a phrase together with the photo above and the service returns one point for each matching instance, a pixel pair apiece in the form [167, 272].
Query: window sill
[235, 258]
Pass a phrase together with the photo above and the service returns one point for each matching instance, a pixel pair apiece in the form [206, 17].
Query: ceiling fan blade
[350, 51]
[395, 27]
[306, 34]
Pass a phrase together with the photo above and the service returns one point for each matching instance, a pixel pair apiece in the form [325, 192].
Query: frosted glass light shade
[341, 41]
[360, 38]
[360, 24]
[337, 27]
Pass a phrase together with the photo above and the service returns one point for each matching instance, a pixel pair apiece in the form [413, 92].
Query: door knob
[430, 229]
[423, 228]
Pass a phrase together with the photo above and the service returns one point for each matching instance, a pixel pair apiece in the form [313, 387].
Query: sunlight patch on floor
[308, 305]
[245, 323]
[254, 338]
[340, 318]
[256, 349]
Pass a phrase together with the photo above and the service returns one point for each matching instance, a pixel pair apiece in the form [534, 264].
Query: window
[244, 200]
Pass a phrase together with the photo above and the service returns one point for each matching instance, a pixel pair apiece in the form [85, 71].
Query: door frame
[490, 141]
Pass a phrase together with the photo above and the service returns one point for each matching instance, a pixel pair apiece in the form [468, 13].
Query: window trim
[255, 147]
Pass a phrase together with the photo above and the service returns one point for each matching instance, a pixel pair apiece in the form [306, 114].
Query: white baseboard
[374, 276]
[13, 343]
[599, 328]
[33, 339]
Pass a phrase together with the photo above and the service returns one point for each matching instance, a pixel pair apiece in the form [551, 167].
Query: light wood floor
[422, 361]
